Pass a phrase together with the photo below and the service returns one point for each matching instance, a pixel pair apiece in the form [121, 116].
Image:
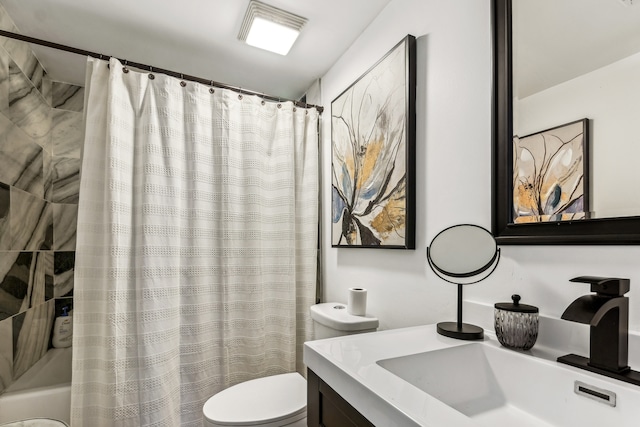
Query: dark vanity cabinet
[326, 408]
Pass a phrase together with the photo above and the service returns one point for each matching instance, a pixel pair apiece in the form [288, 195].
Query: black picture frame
[593, 231]
[373, 146]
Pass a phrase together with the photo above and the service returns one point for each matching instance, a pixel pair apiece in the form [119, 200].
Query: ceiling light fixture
[270, 28]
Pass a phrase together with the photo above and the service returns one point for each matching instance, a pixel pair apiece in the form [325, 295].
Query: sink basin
[498, 387]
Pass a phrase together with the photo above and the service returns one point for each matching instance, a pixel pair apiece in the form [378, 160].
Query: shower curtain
[196, 245]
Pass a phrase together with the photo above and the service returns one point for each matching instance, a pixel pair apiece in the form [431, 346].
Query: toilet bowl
[281, 400]
[278, 400]
[36, 422]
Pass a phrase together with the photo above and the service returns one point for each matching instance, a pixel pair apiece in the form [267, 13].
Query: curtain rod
[83, 52]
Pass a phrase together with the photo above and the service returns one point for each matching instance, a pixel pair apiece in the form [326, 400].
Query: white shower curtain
[196, 245]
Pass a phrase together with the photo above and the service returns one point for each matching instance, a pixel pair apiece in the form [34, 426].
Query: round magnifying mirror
[461, 254]
[462, 251]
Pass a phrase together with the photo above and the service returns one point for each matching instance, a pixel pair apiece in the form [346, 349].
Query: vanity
[416, 377]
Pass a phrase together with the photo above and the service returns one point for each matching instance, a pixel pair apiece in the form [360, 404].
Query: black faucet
[607, 313]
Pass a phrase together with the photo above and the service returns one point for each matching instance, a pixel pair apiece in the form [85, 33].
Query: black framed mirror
[617, 230]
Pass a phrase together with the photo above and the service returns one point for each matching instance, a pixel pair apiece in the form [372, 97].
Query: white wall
[453, 178]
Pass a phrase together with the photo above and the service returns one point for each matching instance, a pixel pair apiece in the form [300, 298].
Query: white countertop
[348, 365]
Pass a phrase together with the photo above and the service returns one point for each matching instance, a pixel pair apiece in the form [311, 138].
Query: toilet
[281, 400]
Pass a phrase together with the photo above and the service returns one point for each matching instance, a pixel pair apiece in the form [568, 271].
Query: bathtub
[44, 391]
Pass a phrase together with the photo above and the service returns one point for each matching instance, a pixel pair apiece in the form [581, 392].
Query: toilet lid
[263, 400]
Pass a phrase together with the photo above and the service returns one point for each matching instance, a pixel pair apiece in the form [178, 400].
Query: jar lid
[516, 306]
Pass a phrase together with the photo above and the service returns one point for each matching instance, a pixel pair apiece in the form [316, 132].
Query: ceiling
[194, 37]
[199, 37]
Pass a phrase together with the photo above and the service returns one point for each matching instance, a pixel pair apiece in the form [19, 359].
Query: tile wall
[40, 143]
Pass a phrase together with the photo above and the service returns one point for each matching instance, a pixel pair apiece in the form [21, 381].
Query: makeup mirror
[462, 254]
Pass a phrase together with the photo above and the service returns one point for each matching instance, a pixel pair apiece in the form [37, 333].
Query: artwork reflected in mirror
[550, 174]
[373, 155]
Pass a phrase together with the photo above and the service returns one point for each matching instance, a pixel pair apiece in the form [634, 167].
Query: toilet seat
[272, 401]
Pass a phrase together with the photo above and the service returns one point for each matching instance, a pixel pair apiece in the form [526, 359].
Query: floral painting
[373, 152]
[550, 174]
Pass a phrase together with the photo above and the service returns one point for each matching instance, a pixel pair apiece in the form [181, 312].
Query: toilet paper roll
[357, 301]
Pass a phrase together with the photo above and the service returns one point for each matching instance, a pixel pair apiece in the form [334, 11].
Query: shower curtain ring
[125, 69]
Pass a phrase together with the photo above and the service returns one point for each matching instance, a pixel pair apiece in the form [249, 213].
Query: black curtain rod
[83, 52]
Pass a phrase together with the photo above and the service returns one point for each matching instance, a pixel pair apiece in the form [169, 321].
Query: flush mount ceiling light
[270, 28]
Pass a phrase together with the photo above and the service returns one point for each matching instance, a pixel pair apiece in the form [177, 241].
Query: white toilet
[281, 400]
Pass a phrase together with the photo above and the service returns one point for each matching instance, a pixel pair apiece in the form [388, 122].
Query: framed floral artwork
[550, 174]
[373, 141]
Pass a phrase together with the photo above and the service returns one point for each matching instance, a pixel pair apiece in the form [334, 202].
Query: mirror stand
[459, 330]
[463, 254]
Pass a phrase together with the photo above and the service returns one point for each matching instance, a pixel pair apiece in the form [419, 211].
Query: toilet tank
[331, 319]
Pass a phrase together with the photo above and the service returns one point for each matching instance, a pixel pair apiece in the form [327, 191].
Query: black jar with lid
[516, 324]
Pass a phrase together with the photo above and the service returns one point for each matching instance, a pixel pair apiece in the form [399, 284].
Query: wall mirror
[559, 62]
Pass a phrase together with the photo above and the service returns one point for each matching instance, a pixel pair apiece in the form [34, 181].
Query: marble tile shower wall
[40, 143]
